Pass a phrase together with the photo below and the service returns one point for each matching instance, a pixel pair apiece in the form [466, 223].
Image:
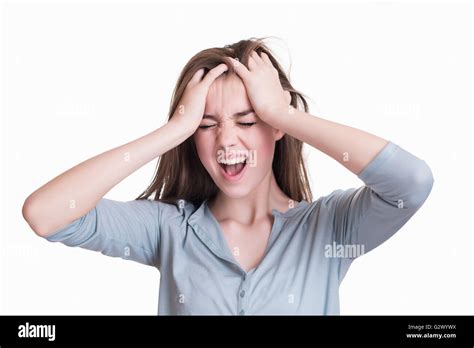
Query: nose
[227, 134]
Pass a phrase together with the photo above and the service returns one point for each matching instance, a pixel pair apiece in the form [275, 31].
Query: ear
[277, 134]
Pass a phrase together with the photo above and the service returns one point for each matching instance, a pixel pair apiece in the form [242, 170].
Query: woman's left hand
[263, 86]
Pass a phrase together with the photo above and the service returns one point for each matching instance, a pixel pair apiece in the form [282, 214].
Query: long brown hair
[180, 174]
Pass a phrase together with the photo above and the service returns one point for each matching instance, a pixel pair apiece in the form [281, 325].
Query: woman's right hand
[191, 106]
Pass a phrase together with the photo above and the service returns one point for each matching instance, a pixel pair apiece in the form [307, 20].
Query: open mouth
[233, 169]
[233, 166]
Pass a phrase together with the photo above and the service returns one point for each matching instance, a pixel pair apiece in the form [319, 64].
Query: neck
[254, 207]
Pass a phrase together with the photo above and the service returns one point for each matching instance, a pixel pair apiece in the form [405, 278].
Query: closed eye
[206, 126]
[247, 124]
[243, 124]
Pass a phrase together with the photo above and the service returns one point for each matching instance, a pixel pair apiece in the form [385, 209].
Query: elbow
[31, 215]
[421, 184]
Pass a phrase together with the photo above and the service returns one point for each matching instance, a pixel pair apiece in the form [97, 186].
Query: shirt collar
[208, 230]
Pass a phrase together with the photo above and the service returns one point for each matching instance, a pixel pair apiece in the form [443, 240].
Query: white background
[79, 79]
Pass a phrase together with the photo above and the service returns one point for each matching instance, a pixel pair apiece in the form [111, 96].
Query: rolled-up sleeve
[129, 230]
[397, 183]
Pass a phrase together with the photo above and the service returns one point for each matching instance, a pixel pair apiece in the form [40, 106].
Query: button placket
[242, 295]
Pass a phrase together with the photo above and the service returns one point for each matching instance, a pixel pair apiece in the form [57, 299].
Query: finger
[214, 73]
[266, 59]
[197, 76]
[252, 63]
[240, 69]
[257, 58]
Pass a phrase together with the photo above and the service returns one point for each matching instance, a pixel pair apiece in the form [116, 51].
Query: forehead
[226, 96]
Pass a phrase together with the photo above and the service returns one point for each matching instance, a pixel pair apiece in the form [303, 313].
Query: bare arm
[352, 147]
[76, 191]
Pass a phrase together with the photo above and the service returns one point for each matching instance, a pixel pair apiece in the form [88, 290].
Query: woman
[232, 226]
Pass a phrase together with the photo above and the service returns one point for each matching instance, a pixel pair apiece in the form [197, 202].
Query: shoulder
[325, 208]
[171, 212]
[146, 208]
[329, 201]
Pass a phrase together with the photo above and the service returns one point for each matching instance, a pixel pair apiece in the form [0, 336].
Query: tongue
[234, 169]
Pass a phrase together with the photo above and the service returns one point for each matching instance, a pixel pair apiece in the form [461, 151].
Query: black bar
[223, 330]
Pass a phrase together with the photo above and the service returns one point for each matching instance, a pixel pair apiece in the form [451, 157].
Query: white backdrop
[79, 79]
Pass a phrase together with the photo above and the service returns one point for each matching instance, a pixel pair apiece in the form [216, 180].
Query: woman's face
[233, 144]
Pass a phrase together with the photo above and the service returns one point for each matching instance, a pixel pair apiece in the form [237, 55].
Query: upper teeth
[231, 161]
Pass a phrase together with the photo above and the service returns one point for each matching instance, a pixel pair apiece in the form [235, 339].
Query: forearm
[76, 191]
[353, 148]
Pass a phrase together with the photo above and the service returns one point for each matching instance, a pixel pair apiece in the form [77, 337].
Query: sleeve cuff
[65, 232]
[387, 152]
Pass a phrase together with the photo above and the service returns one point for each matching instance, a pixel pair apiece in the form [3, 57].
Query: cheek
[204, 146]
[265, 148]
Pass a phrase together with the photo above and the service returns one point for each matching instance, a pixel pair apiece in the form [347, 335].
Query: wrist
[279, 117]
[182, 128]
[183, 125]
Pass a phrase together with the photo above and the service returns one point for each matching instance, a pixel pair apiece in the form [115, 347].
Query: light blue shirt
[309, 251]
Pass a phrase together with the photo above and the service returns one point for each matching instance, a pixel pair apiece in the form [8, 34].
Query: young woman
[232, 226]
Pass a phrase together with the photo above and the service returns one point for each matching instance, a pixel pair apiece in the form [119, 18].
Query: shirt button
[242, 293]
[243, 277]
[241, 312]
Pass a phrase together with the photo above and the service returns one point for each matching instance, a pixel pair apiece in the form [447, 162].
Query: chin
[235, 192]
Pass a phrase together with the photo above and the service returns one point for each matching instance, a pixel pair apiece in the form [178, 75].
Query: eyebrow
[237, 114]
